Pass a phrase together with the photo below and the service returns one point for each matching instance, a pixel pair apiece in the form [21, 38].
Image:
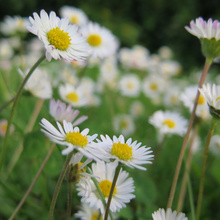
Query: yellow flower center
[76, 138]
[4, 127]
[169, 123]
[124, 124]
[73, 97]
[201, 100]
[217, 98]
[74, 20]
[130, 85]
[95, 216]
[122, 151]
[20, 22]
[153, 86]
[105, 187]
[59, 39]
[94, 40]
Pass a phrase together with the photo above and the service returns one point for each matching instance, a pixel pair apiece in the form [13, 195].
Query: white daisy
[73, 95]
[204, 29]
[130, 85]
[60, 38]
[137, 108]
[169, 68]
[161, 214]
[169, 122]
[132, 154]
[122, 193]
[3, 127]
[124, 124]
[215, 144]
[101, 41]
[6, 50]
[72, 138]
[75, 15]
[188, 97]
[211, 94]
[61, 112]
[86, 212]
[165, 52]
[39, 84]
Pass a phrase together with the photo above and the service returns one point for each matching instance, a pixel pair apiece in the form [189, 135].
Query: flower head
[101, 41]
[132, 154]
[72, 138]
[122, 193]
[212, 96]
[161, 214]
[61, 112]
[209, 34]
[3, 127]
[168, 122]
[61, 39]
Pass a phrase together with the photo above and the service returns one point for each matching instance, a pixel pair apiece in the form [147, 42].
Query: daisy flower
[131, 154]
[61, 39]
[169, 68]
[61, 112]
[72, 138]
[215, 144]
[6, 51]
[161, 214]
[3, 127]
[212, 96]
[39, 84]
[188, 97]
[122, 193]
[209, 34]
[165, 53]
[169, 122]
[124, 124]
[75, 15]
[72, 95]
[130, 85]
[137, 108]
[101, 41]
[86, 212]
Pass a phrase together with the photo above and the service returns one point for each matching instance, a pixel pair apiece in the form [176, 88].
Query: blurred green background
[151, 23]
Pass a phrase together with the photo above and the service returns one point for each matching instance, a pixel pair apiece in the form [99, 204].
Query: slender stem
[33, 182]
[192, 117]
[186, 172]
[69, 201]
[4, 147]
[189, 185]
[29, 127]
[117, 171]
[201, 185]
[7, 103]
[57, 189]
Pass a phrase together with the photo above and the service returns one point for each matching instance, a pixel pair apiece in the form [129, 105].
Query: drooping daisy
[188, 97]
[101, 41]
[39, 84]
[122, 193]
[169, 122]
[3, 127]
[61, 39]
[73, 95]
[124, 124]
[61, 112]
[72, 138]
[161, 214]
[75, 15]
[209, 34]
[130, 85]
[132, 154]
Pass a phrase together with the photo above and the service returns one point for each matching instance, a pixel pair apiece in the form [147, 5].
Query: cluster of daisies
[130, 73]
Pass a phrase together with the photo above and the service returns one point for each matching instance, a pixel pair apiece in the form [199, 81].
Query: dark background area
[151, 23]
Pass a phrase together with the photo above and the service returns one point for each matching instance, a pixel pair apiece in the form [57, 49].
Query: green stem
[191, 120]
[201, 185]
[189, 185]
[7, 103]
[57, 189]
[4, 147]
[33, 182]
[69, 201]
[117, 171]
